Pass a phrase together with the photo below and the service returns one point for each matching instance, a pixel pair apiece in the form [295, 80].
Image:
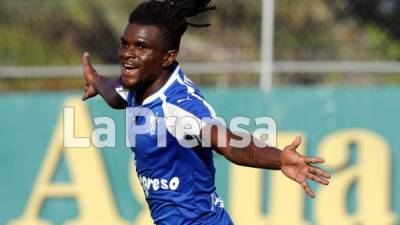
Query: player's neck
[141, 95]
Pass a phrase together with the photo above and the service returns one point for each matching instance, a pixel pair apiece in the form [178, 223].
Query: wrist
[278, 157]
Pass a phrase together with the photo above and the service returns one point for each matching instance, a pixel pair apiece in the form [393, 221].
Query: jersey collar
[160, 91]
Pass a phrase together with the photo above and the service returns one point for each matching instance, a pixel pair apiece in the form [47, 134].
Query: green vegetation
[49, 32]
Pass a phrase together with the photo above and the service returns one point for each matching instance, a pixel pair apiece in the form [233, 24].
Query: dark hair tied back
[190, 8]
[170, 16]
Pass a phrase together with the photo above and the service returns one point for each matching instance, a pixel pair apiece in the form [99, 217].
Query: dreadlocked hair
[170, 16]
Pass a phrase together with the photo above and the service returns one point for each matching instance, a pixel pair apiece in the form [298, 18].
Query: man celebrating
[179, 180]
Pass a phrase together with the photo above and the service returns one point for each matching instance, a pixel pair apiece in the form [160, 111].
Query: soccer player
[178, 179]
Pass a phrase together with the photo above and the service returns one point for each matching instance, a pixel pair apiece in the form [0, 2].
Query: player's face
[142, 54]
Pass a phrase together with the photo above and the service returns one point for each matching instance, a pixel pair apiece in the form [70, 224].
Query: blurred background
[42, 41]
[325, 70]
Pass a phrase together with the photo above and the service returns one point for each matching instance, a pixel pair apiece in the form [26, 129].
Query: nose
[126, 52]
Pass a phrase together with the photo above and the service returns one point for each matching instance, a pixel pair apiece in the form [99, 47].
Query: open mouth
[129, 66]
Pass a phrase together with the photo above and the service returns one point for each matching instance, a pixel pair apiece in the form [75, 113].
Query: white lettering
[164, 184]
[70, 141]
[174, 183]
[155, 184]
[108, 132]
[241, 132]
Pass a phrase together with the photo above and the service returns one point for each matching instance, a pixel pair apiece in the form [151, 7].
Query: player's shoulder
[187, 103]
[183, 97]
[184, 91]
[184, 94]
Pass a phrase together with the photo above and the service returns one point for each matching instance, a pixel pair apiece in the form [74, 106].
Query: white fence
[317, 67]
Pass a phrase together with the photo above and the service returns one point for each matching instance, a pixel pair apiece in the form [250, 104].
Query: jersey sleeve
[188, 116]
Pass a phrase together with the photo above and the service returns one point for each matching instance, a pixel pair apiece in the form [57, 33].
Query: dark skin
[142, 48]
[294, 165]
[146, 67]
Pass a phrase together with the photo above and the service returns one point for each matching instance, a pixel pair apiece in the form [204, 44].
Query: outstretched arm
[290, 162]
[104, 86]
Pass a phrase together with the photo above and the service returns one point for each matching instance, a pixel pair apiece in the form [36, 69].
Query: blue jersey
[177, 177]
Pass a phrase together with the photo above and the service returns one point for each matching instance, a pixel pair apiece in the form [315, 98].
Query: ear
[170, 58]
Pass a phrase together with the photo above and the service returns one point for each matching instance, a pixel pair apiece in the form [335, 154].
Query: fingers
[87, 65]
[88, 73]
[89, 92]
[319, 172]
[86, 59]
[85, 96]
[316, 174]
[295, 144]
[318, 179]
[88, 70]
[307, 189]
[313, 160]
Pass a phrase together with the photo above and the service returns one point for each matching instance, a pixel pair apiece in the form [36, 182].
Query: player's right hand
[299, 168]
[89, 74]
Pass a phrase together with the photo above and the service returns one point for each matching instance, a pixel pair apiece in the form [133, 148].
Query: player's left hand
[299, 168]
[89, 74]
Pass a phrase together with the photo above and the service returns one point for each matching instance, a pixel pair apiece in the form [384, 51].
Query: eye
[123, 43]
[140, 46]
